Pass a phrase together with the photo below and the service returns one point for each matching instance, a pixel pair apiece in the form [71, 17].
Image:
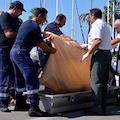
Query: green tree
[32, 11]
[85, 17]
[116, 11]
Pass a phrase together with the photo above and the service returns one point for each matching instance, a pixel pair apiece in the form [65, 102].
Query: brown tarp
[64, 72]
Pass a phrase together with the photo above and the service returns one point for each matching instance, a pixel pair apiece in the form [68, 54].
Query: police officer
[29, 35]
[9, 25]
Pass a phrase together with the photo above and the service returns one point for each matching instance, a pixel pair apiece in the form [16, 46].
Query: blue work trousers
[6, 70]
[25, 74]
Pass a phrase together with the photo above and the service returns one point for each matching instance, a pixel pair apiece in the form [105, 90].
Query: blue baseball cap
[18, 5]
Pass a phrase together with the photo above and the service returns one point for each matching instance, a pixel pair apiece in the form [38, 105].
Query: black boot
[34, 111]
[4, 109]
[21, 105]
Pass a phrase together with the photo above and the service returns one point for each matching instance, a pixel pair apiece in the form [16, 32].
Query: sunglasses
[45, 18]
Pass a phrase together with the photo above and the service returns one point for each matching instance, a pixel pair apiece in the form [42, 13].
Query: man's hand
[84, 46]
[47, 34]
[50, 38]
[84, 56]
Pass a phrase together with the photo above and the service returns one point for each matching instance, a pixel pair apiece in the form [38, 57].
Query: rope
[80, 22]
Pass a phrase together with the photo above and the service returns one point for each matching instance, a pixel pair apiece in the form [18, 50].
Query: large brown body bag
[64, 72]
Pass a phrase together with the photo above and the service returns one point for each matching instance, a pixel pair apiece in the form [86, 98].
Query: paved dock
[112, 113]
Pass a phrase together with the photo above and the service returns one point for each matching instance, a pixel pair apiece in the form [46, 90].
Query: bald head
[117, 22]
[117, 25]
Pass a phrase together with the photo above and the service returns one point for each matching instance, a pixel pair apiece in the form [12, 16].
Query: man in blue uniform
[9, 25]
[53, 27]
[29, 35]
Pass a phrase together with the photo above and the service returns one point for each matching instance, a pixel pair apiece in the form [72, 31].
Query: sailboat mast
[113, 34]
[72, 26]
[40, 3]
[108, 12]
[56, 7]
[90, 4]
[6, 5]
[10, 1]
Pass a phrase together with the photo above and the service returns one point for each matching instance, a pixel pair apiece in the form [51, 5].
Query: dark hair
[11, 7]
[41, 11]
[61, 17]
[96, 12]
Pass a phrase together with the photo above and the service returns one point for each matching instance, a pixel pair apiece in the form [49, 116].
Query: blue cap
[18, 5]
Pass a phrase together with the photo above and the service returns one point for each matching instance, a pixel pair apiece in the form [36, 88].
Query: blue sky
[65, 7]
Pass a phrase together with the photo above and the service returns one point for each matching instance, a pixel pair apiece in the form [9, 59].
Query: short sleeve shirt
[29, 34]
[53, 27]
[7, 22]
[118, 35]
[101, 31]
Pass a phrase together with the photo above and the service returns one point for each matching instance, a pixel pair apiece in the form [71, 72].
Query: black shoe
[34, 111]
[21, 105]
[4, 109]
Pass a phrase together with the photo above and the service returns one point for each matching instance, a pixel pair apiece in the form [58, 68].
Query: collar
[96, 21]
[56, 24]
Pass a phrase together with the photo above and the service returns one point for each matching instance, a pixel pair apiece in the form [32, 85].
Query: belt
[102, 50]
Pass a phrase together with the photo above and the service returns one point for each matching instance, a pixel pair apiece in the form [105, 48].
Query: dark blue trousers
[25, 74]
[6, 78]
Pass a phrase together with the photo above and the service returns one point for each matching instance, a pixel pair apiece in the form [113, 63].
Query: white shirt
[101, 31]
[117, 44]
[118, 35]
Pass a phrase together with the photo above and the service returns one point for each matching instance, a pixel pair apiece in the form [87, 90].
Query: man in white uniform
[99, 46]
[115, 43]
[117, 28]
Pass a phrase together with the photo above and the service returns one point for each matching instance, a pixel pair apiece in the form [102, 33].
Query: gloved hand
[84, 56]
[84, 46]
[50, 38]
